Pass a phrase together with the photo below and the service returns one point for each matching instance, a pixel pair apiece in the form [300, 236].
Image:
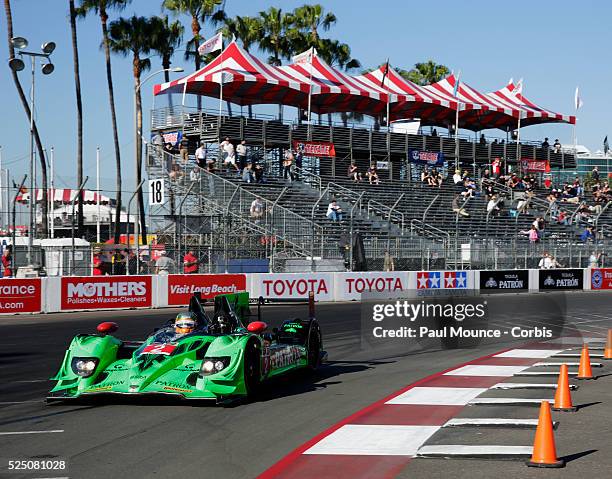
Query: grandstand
[414, 222]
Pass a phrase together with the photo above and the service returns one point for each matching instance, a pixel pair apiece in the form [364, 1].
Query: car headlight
[214, 365]
[84, 367]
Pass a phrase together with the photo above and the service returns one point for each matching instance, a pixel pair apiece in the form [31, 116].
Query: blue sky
[553, 45]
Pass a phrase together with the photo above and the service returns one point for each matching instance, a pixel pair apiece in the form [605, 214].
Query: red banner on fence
[106, 292]
[20, 295]
[182, 286]
[601, 278]
[314, 148]
[535, 166]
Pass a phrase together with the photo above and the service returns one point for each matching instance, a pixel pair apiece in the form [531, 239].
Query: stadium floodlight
[48, 68]
[178, 69]
[48, 47]
[19, 42]
[16, 64]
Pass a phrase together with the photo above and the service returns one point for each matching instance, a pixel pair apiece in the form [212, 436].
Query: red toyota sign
[20, 295]
[182, 286]
[106, 292]
[314, 148]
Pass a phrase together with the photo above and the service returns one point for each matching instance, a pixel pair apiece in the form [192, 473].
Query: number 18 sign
[156, 192]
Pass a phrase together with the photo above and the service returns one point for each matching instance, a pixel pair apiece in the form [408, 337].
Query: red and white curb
[381, 439]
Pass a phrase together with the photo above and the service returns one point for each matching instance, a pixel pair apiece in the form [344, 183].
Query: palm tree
[134, 37]
[167, 39]
[246, 29]
[427, 73]
[101, 8]
[312, 19]
[79, 105]
[26, 107]
[275, 40]
[201, 11]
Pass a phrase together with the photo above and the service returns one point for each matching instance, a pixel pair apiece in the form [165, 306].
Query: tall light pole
[136, 158]
[17, 64]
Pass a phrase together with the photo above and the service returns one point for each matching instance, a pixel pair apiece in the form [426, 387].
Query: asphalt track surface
[153, 439]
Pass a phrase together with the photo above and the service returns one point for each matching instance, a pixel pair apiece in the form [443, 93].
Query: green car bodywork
[241, 357]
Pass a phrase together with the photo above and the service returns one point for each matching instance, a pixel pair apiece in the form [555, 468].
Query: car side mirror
[107, 327]
[257, 327]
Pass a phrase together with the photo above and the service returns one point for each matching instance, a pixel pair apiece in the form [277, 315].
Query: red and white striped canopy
[246, 80]
[65, 196]
[532, 113]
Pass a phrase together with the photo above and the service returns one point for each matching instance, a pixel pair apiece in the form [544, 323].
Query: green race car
[222, 356]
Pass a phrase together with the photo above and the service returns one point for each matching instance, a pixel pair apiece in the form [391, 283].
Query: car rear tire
[252, 369]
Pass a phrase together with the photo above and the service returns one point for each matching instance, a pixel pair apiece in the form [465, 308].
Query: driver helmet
[184, 323]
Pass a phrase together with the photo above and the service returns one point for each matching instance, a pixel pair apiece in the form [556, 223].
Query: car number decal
[159, 348]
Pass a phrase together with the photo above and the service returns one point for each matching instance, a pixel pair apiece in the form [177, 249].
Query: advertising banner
[601, 278]
[314, 148]
[442, 280]
[295, 286]
[556, 279]
[430, 158]
[509, 280]
[351, 286]
[106, 292]
[534, 166]
[20, 295]
[182, 286]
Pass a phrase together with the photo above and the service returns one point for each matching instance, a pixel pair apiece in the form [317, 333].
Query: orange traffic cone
[544, 450]
[608, 348]
[563, 397]
[584, 369]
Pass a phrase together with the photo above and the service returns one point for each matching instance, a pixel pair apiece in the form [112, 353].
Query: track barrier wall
[83, 293]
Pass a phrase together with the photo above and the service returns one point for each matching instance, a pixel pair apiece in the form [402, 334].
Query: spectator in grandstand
[483, 140]
[168, 153]
[194, 175]
[299, 158]
[176, 173]
[200, 155]
[97, 262]
[288, 163]
[533, 234]
[457, 207]
[184, 149]
[434, 132]
[158, 145]
[164, 265]
[436, 179]
[548, 261]
[130, 261]
[595, 174]
[191, 263]
[372, 175]
[457, 178]
[388, 263]
[241, 151]
[594, 259]
[247, 173]
[524, 202]
[353, 172]
[119, 262]
[496, 167]
[492, 207]
[259, 173]
[562, 218]
[257, 209]
[229, 153]
[587, 235]
[7, 262]
[334, 212]
[494, 141]
[557, 146]
[514, 182]
[545, 144]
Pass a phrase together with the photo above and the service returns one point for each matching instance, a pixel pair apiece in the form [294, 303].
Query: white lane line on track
[547, 365]
[493, 422]
[545, 373]
[474, 451]
[528, 386]
[486, 370]
[10, 433]
[374, 440]
[529, 353]
[19, 402]
[507, 401]
[438, 396]
[31, 381]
